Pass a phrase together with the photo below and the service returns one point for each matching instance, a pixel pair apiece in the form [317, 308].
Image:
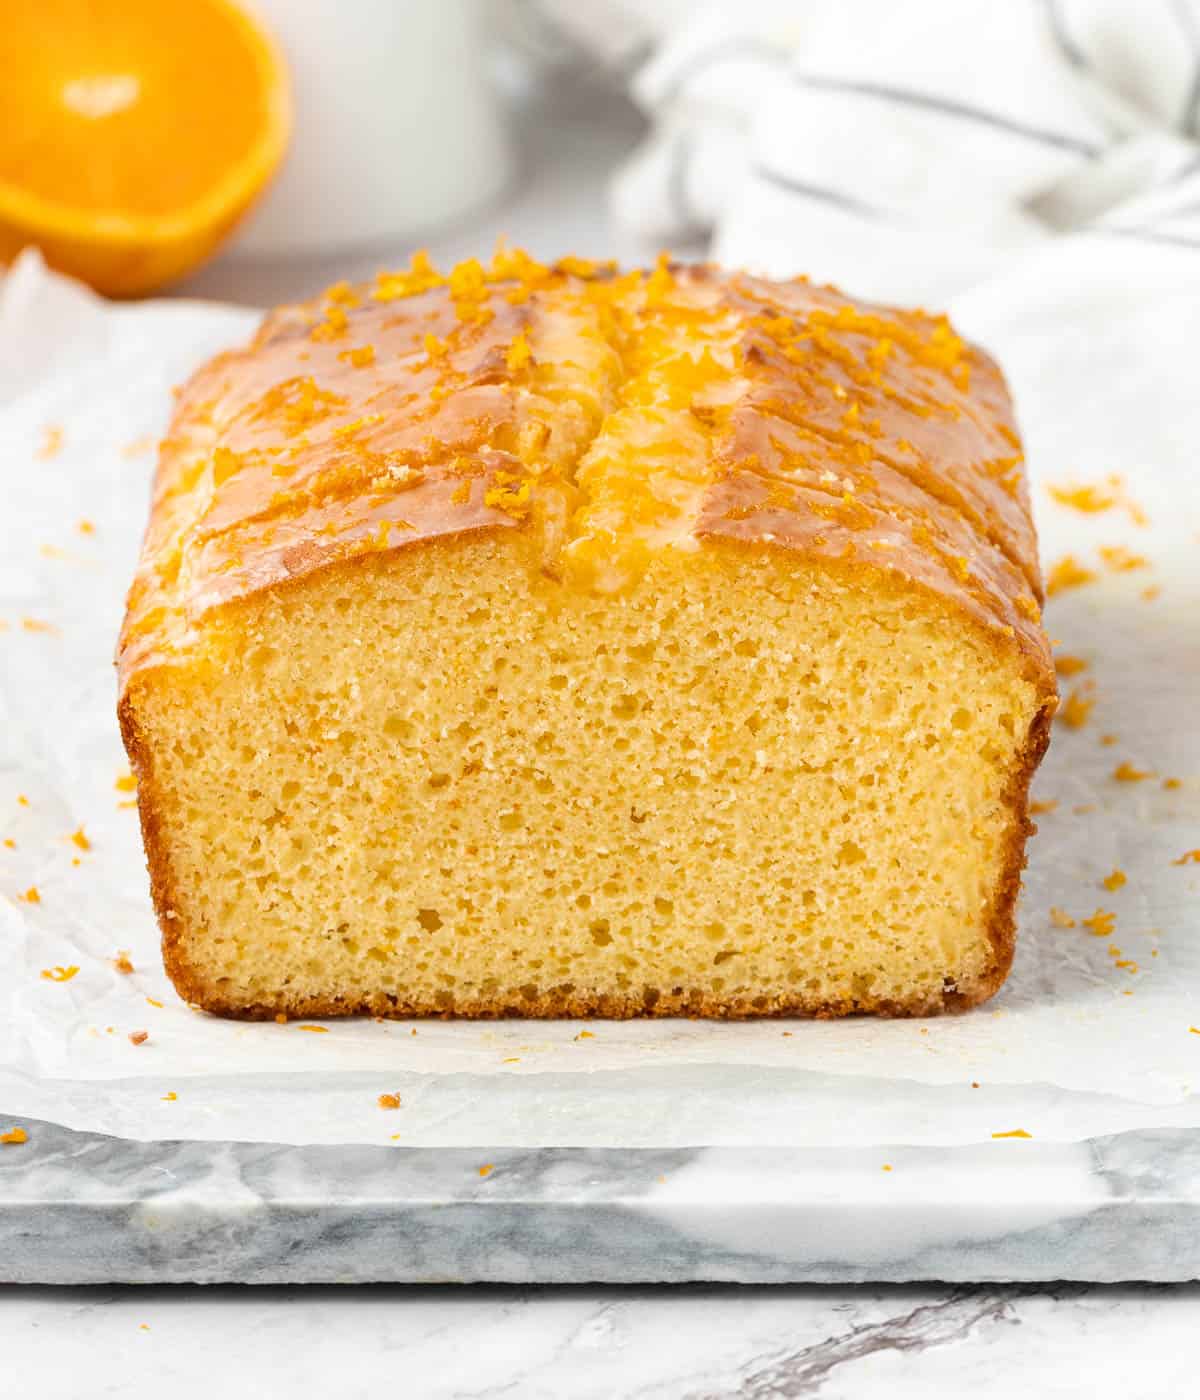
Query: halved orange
[133, 133]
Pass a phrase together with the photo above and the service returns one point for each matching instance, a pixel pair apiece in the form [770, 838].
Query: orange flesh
[127, 109]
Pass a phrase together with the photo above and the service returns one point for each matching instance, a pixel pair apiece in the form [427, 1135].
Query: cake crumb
[1060, 918]
[138, 1037]
[1172, 784]
[281, 1018]
[121, 962]
[389, 1101]
[126, 782]
[1108, 740]
[487, 1169]
[1114, 881]
[1037, 809]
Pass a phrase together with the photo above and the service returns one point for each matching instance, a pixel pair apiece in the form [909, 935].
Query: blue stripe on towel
[948, 107]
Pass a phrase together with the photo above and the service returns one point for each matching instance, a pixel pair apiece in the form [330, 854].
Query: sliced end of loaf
[752, 785]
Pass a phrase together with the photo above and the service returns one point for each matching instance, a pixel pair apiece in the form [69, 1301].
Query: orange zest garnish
[389, 1101]
[138, 1037]
[1089, 499]
[1037, 809]
[487, 1169]
[1068, 572]
[518, 354]
[51, 443]
[1102, 923]
[32, 895]
[1013, 1133]
[319, 1030]
[1077, 707]
[360, 358]
[1060, 918]
[126, 783]
[1069, 666]
[1125, 772]
[1114, 881]
[14, 1137]
[1188, 858]
[79, 839]
[170, 1096]
[59, 974]
[1121, 560]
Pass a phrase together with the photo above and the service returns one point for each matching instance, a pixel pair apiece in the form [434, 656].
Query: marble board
[79, 1208]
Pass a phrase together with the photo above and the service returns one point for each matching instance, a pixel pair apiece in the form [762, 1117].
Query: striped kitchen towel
[913, 150]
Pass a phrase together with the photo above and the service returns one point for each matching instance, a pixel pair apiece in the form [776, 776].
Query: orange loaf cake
[550, 641]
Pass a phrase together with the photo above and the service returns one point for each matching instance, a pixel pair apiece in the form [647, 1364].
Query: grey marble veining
[925, 1341]
[86, 1208]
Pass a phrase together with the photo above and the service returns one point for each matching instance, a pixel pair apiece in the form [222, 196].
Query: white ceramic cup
[397, 131]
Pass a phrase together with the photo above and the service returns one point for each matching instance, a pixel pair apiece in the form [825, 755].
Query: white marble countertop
[639, 1344]
[983, 1341]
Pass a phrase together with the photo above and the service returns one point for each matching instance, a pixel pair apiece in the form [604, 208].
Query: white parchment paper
[1101, 340]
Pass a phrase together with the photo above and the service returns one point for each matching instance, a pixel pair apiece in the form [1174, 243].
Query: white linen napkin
[911, 151]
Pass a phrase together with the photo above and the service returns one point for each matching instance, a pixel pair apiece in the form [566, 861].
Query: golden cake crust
[423, 410]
